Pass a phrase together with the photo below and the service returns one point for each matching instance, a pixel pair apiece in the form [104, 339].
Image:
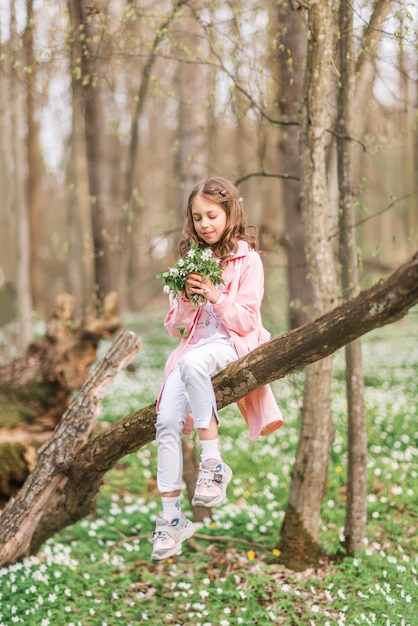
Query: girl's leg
[197, 367]
[172, 529]
[173, 410]
[209, 442]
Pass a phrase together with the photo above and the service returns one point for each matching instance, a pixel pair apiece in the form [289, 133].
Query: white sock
[209, 449]
[171, 507]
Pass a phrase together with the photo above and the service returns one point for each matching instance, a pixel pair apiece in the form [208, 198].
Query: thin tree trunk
[299, 534]
[22, 219]
[365, 64]
[191, 156]
[384, 303]
[292, 42]
[89, 25]
[81, 272]
[366, 71]
[190, 473]
[34, 168]
[356, 512]
[7, 226]
[191, 165]
[408, 134]
[415, 131]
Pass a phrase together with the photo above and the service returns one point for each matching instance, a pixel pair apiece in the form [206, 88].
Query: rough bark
[90, 30]
[388, 301]
[291, 53]
[309, 476]
[21, 516]
[356, 511]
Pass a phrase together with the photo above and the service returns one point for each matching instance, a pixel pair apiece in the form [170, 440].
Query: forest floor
[99, 573]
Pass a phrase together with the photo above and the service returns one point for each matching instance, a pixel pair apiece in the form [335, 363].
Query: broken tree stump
[35, 388]
[47, 482]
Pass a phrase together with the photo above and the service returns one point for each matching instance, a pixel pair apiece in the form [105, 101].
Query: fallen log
[386, 302]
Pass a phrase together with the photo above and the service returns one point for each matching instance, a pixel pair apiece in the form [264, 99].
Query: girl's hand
[195, 285]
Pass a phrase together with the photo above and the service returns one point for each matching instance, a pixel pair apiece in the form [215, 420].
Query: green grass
[99, 572]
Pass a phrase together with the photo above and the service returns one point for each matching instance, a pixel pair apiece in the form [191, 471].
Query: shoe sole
[219, 499]
[188, 532]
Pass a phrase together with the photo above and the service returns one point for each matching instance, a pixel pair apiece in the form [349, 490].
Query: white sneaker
[212, 480]
[169, 536]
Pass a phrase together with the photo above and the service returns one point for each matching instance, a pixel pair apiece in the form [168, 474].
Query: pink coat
[239, 310]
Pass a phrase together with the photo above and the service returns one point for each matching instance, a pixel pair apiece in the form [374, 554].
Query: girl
[226, 327]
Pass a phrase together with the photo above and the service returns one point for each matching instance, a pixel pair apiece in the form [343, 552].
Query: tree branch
[387, 301]
[265, 175]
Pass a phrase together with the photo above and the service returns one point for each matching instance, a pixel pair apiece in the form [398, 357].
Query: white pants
[187, 389]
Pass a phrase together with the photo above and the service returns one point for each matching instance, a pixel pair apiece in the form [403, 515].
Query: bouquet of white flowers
[196, 261]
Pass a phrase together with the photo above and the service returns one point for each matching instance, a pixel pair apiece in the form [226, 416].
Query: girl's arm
[180, 317]
[240, 310]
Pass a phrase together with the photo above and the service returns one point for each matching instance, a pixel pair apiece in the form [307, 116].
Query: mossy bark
[298, 549]
[14, 467]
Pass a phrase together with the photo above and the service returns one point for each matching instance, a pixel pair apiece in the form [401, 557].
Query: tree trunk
[365, 73]
[356, 512]
[365, 64]
[190, 473]
[299, 534]
[291, 57]
[408, 134]
[89, 28]
[191, 159]
[35, 171]
[384, 303]
[191, 165]
[21, 209]
[80, 268]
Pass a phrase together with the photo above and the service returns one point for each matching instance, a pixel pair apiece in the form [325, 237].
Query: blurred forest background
[111, 110]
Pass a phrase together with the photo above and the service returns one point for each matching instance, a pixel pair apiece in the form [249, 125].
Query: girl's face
[209, 220]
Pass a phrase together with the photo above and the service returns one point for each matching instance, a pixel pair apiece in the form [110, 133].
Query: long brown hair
[222, 192]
